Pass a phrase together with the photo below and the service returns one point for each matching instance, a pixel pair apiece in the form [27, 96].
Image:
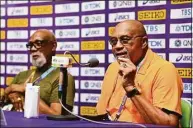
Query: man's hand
[17, 99]
[127, 70]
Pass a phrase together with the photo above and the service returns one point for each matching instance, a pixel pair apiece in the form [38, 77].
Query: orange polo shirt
[159, 81]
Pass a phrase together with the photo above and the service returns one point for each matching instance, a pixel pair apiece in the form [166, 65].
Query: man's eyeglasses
[37, 44]
[124, 40]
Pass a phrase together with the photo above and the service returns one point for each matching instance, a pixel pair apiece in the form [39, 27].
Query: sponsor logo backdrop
[83, 28]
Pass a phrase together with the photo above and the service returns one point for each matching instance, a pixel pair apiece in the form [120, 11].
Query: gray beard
[39, 62]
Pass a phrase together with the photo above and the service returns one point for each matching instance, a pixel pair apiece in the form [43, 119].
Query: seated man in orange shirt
[140, 86]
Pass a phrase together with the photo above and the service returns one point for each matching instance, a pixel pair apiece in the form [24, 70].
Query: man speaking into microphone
[42, 46]
[140, 86]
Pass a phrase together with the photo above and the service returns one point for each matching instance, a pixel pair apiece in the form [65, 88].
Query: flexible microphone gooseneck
[93, 62]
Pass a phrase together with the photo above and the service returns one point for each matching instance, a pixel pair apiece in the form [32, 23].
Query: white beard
[40, 61]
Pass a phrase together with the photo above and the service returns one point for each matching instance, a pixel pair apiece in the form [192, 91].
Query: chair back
[186, 114]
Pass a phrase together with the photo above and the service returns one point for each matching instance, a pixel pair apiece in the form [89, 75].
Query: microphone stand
[62, 94]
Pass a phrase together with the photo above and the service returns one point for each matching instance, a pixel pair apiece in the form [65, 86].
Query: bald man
[140, 86]
[42, 46]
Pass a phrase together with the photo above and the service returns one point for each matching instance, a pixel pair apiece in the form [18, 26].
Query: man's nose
[119, 44]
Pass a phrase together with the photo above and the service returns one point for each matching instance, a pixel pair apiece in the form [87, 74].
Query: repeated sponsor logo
[67, 33]
[67, 20]
[16, 46]
[68, 46]
[93, 32]
[93, 19]
[2, 23]
[21, 22]
[76, 84]
[74, 71]
[185, 72]
[180, 13]
[92, 72]
[155, 28]
[111, 30]
[181, 43]
[2, 34]
[16, 2]
[2, 80]
[2, 46]
[181, 28]
[17, 34]
[91, 84]
[93, 45]
[38, 1]
[2, 2]
[157, 43]
[121, 16]
[88, 110]
[2, 71]
[152, 14]
[17, 11]
[115, 4]
[89, 97]
[151, 2]
[39, 10]
[162, 55]
[15, 69]
[2, 11]
[111, 58]
[2, 55]
[17, 58]
[93, 6]
[9, 80]
[180, 57]
[86, 57]
[187, 87]
[67, 8]
[40, 22]
[76, 97]
[75, 110]
[180, 1]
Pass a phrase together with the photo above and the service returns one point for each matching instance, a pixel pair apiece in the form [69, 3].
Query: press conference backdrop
[83, 28]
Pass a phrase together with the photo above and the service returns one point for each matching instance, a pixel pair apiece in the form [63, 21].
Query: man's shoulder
[26, 72]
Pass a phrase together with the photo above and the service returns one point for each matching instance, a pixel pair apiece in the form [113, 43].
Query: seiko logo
[121, 3]
[152, 14]
[150, 1]
[184, 58]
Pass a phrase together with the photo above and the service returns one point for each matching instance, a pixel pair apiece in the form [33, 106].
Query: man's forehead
[39, 35]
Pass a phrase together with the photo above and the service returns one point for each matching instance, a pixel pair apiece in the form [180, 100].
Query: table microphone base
[62, 117]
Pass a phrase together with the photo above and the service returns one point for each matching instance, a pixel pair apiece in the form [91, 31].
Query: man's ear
[145, 42]
[54, 46]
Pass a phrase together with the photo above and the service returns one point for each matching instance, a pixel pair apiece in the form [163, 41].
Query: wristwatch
[133, 92]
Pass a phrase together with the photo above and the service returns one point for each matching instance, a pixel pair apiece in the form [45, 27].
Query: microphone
[93, 62]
